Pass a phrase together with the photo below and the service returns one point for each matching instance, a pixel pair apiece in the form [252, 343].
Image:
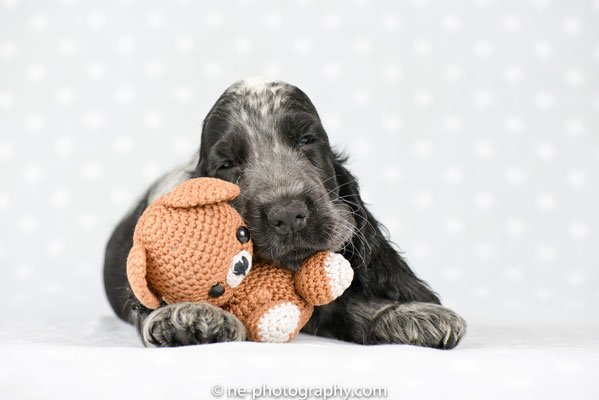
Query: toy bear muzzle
[239, 268]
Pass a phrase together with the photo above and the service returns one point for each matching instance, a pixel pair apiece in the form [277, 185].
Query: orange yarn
[186, 242]
[269, 285]
[312, 282]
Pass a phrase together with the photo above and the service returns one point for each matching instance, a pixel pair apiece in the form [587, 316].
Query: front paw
[420, 324]
[339, 272]
[185, 324]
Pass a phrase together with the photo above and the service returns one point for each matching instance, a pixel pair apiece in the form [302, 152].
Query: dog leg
[421, 324]
[356, 318]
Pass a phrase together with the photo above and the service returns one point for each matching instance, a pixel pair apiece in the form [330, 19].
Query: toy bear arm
[323, 277]
[136, 273]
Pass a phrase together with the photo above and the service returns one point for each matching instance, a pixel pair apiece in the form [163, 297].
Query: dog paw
[339, 272]
[185, 324]
[420, 324]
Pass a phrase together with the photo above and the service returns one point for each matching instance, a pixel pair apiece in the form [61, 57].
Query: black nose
[288, 216]
[216, 290]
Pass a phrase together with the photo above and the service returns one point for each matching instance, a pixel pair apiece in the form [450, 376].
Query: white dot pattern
[473, 130]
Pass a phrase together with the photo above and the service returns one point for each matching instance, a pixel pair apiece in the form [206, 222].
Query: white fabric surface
[101, 358]
[471, 126]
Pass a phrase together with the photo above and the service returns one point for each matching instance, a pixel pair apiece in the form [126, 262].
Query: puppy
[297, 198]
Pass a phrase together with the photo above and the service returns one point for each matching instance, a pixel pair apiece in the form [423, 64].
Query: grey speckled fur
[190, 323]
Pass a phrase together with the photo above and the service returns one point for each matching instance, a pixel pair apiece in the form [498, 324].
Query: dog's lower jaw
[291, 259]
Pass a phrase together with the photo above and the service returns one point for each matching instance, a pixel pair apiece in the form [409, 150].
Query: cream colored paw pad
[339, 272]
[278, 323]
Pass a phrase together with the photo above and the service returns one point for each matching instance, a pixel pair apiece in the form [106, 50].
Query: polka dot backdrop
[473, 127]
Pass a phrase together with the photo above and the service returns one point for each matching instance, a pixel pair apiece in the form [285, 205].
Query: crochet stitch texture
[186, 243]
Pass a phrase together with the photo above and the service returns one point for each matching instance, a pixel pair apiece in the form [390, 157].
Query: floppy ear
[200, 191]
[349, 193]
[136, 273]
[380, 268]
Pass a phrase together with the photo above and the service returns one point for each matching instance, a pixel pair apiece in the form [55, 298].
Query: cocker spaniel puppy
[297, 198]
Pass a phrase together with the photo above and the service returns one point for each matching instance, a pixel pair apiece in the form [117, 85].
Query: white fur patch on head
[340, 273]
[278, 323]
[261, 96]
[259, 84]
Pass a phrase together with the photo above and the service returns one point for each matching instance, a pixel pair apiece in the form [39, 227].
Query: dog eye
[306, 139]
[243, 235]
[226, 165]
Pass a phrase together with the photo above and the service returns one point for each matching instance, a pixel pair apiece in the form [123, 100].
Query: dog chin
[292, 259]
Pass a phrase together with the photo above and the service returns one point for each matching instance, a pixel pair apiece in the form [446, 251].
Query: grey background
[471, 125]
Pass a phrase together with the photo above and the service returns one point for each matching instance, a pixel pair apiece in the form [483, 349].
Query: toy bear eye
[243, 235]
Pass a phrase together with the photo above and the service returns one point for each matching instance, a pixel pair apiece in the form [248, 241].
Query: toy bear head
[190, 245]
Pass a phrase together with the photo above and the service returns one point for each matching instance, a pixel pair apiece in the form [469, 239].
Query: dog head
[268, 138]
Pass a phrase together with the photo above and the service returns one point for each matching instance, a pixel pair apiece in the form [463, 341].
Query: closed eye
[306, 139]
[226, 165]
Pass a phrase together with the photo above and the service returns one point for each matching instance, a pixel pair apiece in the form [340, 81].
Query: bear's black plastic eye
[243, 235]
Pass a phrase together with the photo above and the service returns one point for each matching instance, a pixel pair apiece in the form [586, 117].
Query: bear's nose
[216, 290]
[241, 266]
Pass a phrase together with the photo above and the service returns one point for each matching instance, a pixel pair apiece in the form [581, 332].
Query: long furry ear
[213, 128]
[349, 193]
[201, 169]
[200, 191]
[380, 269]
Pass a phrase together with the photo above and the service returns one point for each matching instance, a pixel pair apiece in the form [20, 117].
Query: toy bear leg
[277, 323]
[269, 306]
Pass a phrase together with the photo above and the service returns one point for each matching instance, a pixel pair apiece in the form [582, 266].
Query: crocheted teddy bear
[190, 245]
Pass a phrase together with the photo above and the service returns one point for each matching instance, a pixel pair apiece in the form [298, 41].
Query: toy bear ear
[200, 191]
[136, 274]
